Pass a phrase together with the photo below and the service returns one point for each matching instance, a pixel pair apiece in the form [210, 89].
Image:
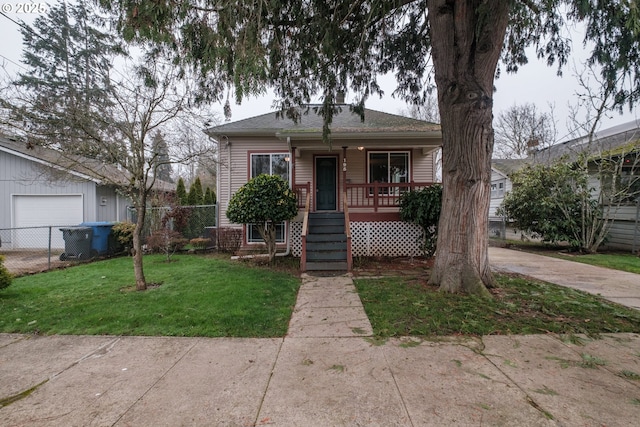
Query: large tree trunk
[141, 281]
[466, 39]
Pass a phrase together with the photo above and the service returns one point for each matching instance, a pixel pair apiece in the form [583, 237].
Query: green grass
[614, 260]
[197, 296]
[401, 306]
[622, 262]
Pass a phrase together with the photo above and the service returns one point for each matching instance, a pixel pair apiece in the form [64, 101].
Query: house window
[270, 164]
[497, 189]
[391, 167]
[254, 237]
[626, 190]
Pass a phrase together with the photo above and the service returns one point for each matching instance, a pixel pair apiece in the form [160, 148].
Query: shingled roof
[508, 166]
[344, 124]
[77, 166]
[605, 141]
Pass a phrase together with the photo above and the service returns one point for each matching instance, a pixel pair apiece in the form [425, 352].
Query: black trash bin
[77, 243]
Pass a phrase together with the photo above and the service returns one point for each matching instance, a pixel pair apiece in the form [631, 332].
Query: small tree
[422, 207]
[195, 196]
[181, 192]
[265, 201]
[553, 202]
[209, 197]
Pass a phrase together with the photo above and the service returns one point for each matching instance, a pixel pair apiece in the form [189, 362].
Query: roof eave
[337, 135]
[49, 164]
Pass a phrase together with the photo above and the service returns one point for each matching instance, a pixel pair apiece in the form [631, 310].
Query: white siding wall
[494, 203]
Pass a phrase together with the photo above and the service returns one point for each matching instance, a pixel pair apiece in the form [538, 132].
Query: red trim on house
[373, 216]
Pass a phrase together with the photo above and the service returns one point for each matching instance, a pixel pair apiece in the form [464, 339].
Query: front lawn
[401, 306]
[195, 296]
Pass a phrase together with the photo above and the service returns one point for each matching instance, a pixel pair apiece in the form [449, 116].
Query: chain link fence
[32, 249]
[190, 222]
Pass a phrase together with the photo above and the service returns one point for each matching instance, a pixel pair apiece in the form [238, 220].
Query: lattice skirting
[385, 238]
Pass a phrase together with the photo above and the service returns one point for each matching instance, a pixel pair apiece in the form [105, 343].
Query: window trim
[258, 241]
[385, 191]
[499, 191]
[270, 154]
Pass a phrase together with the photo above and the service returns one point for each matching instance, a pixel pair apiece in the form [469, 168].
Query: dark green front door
[326, 173]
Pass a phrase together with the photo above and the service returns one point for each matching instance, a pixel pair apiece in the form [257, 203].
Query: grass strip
[407, 306]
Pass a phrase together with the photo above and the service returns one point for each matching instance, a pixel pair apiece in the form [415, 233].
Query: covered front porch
[360, 187]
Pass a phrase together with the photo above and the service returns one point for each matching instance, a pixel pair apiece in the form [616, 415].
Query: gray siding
[20, 176]
[621, 236]
[110, 206]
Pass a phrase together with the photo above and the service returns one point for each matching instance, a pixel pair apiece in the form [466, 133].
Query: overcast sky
[534, 83]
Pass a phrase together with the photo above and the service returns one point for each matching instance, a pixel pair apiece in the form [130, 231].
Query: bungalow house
[347, 189]
[615, 141]
[38, 189]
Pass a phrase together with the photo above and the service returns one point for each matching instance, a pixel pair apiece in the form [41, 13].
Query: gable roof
[345, 124]
[506, 167]
[607, 140]
[77, 166]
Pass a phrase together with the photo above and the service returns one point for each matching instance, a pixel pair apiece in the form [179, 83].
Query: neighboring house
[501, 170]
[36, 189]
[362, 171]
[611, 142]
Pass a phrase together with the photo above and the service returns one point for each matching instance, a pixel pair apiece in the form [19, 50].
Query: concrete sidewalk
[326, 372]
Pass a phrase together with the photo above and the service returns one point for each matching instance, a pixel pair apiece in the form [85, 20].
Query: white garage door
[37, 211]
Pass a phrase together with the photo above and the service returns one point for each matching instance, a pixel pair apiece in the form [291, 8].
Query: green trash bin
[77, 243]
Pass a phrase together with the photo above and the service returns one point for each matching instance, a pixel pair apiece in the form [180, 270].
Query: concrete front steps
[326, 242]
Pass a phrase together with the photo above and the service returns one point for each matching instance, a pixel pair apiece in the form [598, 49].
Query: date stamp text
[20, 8]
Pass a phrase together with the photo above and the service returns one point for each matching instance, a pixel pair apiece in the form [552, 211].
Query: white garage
[44, 210]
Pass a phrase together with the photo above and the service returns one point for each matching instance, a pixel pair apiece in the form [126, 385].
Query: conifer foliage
[303, 48]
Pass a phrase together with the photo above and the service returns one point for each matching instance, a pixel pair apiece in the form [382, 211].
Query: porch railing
[347, 231]
[302, 191]
[305, 230]
[379, 194]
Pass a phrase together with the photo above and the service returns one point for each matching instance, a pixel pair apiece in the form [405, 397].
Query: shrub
[555, 202]
[229, 239]
[166, 241]
[422, 207]
[264, 202]
[5, 277]
[200, 243]
[123, 233]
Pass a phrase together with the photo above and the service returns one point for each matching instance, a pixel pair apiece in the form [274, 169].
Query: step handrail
[305, 229]
[347, 231]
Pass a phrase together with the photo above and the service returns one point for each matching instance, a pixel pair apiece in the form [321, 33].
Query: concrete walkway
[327, 371]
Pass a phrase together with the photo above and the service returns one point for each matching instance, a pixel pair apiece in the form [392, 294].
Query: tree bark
[466, 39]
[141, 281]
